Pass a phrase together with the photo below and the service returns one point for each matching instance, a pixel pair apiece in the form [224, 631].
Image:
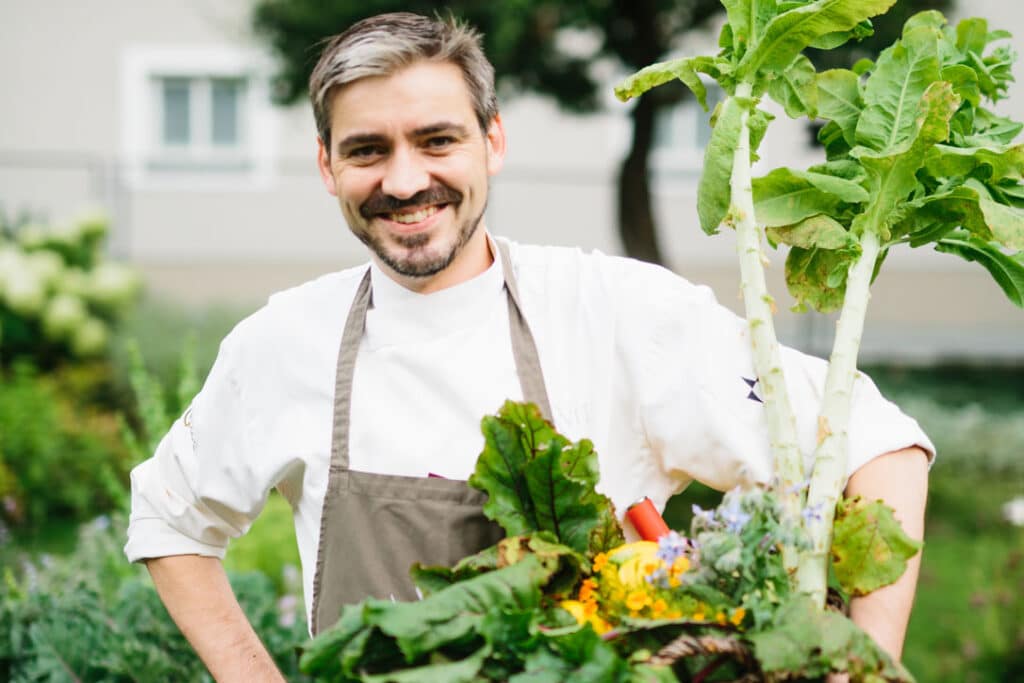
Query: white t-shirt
[643, 363]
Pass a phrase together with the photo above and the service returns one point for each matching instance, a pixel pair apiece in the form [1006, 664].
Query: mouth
[414, 218]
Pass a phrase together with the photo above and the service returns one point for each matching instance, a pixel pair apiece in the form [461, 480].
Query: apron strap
[524, 353]
[524, 348]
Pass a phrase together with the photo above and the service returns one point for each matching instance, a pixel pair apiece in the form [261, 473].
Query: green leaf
[660, 73]
[840, 100]
[537, 481]
[713, 193]
[990, 164]
[784, 198]
[894, 90]
[1006, 270]
[796, 89]
[455, 613]
[892, 174]
[440, 670]
[806, 642]
[817, 231]
[747, 21]
[869, 547]
[817, 277]
[972, 35]
[579, 656]
[787, 34]
[964, 81]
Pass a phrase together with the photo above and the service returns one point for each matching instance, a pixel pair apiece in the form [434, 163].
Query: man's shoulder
[321, 302]
[594, 272]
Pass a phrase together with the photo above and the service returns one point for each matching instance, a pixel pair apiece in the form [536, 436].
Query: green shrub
[58, 458]
[58, 296]
[93, 617]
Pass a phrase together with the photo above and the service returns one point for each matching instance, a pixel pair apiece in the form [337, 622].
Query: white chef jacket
[643, 363]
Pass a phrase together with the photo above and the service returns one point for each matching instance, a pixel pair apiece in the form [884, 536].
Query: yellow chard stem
[830, 458]
[759, 306]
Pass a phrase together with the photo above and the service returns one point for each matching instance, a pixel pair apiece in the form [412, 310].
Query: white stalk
[759, 306]
[830, 460]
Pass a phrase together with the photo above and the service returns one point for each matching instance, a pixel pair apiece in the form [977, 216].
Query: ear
[496, 145]
[323, 162]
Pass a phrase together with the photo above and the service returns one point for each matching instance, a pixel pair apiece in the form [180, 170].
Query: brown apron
[375, 526]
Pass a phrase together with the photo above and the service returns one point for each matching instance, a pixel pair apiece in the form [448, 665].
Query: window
[201, 123]
[193, 116]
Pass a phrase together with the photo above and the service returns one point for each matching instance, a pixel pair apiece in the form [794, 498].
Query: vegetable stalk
[759, 306]
[831, 455]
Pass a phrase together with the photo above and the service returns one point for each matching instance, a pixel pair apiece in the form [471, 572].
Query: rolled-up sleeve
[209, 478]
[702, 408]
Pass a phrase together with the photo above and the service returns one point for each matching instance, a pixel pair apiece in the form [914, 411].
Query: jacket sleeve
[209, 476]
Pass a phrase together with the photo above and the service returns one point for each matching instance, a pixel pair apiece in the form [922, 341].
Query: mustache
[379, 203]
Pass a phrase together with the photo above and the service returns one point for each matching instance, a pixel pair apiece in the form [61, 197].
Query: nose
[405, 174]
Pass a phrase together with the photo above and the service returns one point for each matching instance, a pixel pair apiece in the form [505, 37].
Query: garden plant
[913, 157]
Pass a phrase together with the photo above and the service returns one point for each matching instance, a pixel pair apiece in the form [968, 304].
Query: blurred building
[161, 113]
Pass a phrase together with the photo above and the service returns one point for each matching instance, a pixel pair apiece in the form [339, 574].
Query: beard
[414, 255]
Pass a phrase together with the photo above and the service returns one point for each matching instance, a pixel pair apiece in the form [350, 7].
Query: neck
[473, 259]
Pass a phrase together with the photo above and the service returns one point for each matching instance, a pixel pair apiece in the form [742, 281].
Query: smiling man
[358, 395]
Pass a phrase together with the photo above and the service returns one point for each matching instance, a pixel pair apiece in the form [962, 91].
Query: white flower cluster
[58, 279]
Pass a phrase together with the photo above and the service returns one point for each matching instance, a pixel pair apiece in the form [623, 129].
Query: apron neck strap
[524, 352]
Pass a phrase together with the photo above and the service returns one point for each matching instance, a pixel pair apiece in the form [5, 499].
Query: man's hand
[900, 479]
[197, 594]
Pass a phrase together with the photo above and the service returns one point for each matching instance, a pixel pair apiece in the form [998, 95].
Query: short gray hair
[383, 44]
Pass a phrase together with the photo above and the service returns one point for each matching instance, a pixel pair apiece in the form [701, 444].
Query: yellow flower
[599, 625]
[698, 616]
[637, 600]
[600, 560]
[680, 565]
[575, 608]
[587, 590]
[737, 616]
[720, 618]
[658, 607]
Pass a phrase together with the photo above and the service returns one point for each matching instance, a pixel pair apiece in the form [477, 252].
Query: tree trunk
[637, 229]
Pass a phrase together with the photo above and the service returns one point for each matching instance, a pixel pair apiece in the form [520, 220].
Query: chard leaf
[440, 670]
[990, 164]
[869, 547]
[972, 35]
[758, 124]
[964, 81]
[817, 277]
[787, 34]
[1006, 270]
[840, 100]
[796, 89]
[892, 174]
[537, 481]
[657, 74]
[579, 656]
[455, 613]
[785, 197]
[817, 231]
[847, 169]
[714, 193]
[987, 129]
[830, 41]
[747, 20]
[805, 641]
[902, 75]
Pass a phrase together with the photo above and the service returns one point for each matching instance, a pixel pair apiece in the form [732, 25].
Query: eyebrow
[357, 139]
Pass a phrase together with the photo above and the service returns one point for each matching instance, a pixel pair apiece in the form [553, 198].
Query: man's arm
[197, 595]
[900, 479]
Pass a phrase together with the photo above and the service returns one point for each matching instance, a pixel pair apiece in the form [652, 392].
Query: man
[358, 395]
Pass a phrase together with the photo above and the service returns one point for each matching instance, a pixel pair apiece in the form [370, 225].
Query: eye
[366, 152]
[440, 141]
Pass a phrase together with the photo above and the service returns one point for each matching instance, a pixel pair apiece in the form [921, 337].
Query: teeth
[415, 216]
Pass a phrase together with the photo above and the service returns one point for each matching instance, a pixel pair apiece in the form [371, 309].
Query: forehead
[411, 97]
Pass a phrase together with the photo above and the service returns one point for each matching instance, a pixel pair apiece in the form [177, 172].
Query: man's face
[410, 165]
